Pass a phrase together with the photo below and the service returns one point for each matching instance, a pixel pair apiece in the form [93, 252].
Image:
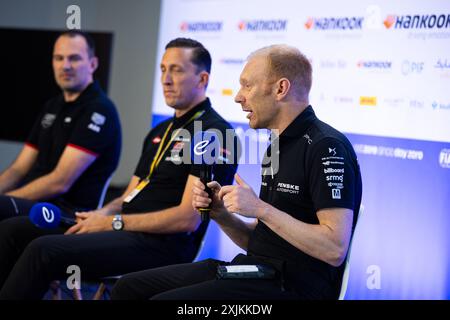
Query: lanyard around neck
[163, 148]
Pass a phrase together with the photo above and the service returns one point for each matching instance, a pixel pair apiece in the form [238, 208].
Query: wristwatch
[117, 223]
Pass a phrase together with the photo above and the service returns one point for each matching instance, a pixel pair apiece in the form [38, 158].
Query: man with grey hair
[306, 212]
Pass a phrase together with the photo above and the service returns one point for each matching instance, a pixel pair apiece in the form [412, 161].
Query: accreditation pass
[136, 190]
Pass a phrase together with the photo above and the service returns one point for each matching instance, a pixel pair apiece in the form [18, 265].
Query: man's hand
[89, 222]
[201, 199]
[241, 199]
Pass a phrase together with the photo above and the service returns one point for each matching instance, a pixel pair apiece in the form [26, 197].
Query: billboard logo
[444, 158]
[209, 26]
[263, 25]
[368, 101]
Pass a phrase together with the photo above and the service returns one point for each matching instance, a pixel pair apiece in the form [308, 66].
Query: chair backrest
[346, 274]
[101, 200]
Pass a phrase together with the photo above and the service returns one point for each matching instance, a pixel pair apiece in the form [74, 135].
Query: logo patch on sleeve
[332, 151]
[47, 120]
[98, 119]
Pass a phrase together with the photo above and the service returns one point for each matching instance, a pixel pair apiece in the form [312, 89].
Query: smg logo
[444, 158]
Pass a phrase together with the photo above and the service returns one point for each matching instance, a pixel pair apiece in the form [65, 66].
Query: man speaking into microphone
[153, 223]
[302, 222]
[205, 154]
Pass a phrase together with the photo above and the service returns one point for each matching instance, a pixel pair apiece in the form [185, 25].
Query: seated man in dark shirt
[74, 145]
[153, 223]
[305, 214]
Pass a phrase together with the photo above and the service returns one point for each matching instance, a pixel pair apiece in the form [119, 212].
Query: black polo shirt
[91, 124]
[317, 169]
[168, 181]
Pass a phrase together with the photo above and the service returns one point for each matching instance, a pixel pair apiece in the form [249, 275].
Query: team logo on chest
[156, 140]
[47, 120]
[288, 188]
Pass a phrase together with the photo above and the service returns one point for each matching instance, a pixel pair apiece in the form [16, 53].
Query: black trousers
[30, 258]
[195, 281]
[13, 207]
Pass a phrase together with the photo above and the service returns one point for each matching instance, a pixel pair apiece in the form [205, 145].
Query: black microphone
[205, 150]
[48, 216]
[205, 177]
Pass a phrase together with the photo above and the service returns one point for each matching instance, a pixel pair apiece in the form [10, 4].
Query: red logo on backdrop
[184, 26]
[390, 20]
[156, 140]
[309, 23]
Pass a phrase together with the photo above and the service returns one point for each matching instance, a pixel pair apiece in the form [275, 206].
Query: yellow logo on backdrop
[368, 101]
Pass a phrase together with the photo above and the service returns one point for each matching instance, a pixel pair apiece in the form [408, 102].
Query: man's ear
[204, 79]
[282, 87]
[94, 64]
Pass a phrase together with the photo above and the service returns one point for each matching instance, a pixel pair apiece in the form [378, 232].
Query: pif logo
[444, 158]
